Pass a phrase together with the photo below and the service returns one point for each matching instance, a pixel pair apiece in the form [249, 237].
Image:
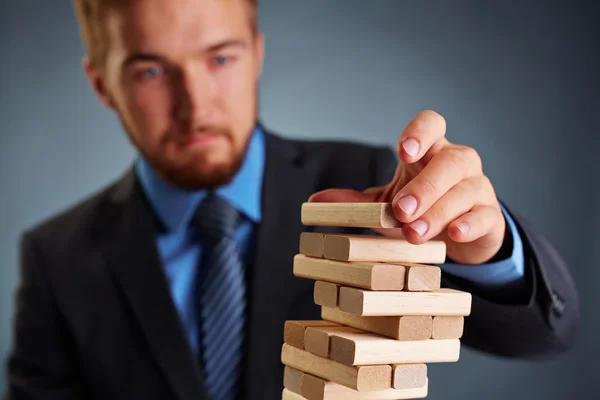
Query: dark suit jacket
[95, 319]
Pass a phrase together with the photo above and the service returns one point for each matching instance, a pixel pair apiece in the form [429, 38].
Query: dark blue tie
[221, 299]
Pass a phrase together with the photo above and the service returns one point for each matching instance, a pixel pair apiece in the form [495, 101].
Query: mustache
[183, 134]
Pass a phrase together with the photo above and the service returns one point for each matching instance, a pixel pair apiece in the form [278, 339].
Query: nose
[194, 95]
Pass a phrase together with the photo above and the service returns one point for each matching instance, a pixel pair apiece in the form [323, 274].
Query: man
[175, 281]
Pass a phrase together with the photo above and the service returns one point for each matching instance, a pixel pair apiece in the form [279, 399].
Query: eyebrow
[141, 56]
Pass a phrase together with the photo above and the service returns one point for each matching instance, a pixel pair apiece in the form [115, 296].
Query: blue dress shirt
[180, 247]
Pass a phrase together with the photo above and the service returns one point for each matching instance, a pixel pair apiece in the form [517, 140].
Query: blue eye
[221, 60]
[152, 72]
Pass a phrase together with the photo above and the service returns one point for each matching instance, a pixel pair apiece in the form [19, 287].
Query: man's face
[183, 76]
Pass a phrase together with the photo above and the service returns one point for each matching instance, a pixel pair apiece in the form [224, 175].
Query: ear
[98, 83]
[259, 48]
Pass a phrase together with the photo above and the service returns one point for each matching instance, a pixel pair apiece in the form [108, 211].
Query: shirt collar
[175, 207]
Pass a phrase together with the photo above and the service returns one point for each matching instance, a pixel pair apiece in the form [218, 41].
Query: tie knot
[216, 217]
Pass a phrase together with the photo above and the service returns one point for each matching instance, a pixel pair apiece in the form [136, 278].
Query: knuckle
[480, 189]
[482, 183]
[465, 188]
[426, 188]
[472, 157]
[478, 186]
[456, 157]
[437, 215]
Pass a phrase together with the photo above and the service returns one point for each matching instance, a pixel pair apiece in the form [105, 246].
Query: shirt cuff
[499, 273]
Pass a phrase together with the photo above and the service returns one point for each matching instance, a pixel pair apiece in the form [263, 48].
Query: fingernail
[408, 204]
[411, 146]
[464, 227]
[420, 226]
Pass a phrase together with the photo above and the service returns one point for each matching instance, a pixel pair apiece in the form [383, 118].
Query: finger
[342, 196]
[458, 201]
[425, 132]
[449, 167]
[376, 191]
[476, 224]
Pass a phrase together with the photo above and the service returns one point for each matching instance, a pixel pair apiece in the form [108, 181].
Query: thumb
[343, 196]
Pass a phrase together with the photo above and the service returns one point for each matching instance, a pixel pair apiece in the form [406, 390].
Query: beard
[195, 172]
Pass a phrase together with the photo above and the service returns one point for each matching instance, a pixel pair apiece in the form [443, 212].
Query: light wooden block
[360, 215]
[407, 376]
[447, 327]
[444, 301]
[370, 349]
[315, 388]
[293, 331]
[360, 378]
[292, 379]
[422, 278]
[408, 327]
[373, 276]
[382, 249]
[316, 339]
[326, 294]
[311, 244]
[289, 395]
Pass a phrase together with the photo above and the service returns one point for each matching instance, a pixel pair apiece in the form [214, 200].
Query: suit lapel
[128, 238]
[287, 184]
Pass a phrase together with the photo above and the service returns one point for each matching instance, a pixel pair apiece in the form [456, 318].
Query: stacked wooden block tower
[384, 315]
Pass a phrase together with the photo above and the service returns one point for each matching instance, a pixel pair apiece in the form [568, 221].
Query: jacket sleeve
[540, 322]
[41, 364]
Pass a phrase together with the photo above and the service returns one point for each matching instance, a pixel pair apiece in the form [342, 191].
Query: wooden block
[326, 294]
[360, 378]
[408, 376]
[374, 276]
[383, 249]
[444, 301]
[314, 388]
[408, 327]
[289, 395]
[293, 331]
[422, 278]
[370, 349]
[360, 215]
[311, 244]
[292, 379]
[447, 327]
[316, 339]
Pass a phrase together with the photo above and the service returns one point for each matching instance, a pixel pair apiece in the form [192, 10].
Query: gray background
[515, 79]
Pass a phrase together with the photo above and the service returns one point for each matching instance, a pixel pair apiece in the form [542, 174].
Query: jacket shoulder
[343, 163]
[73, 222]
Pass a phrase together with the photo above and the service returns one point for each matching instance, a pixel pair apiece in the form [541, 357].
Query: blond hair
[91, 15]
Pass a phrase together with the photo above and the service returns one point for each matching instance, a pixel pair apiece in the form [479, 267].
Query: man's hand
[439, 191]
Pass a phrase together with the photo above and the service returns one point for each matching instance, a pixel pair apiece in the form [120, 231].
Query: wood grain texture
[422, 278]
[311, 244]
[447, 327]
[360, 215]
[442, 302]
[326, 294]
[382, 249]
[373, 276]
[316, 339]
[293, 331]
[315, 388]
[292, 379]
[408, 376]
[370, 349]
[360, 378]
[289, 395]
[408, 327]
